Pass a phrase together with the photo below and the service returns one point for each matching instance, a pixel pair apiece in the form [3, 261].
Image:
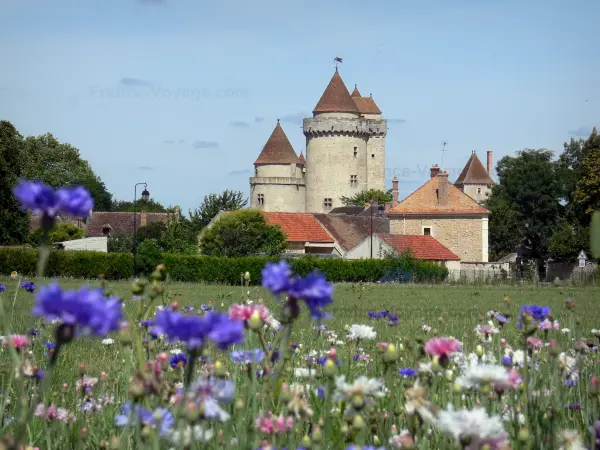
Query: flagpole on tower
[337, 60]
[443, 151]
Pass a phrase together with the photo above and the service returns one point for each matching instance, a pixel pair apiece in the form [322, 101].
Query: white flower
[356, 332]
[272, 322]
[302, 372]
[175, 351]
[108, 341]
[565, 331]
[478, 374]
[402, 440]
[485, 332]
[510, 415]
[474, 425]
[362, 386]
[426, 328]
[570, 440]
[569, 363]
[517, 356]
[185, 437]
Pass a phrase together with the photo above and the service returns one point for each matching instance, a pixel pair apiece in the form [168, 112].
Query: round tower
[345, 147]
[278, 183]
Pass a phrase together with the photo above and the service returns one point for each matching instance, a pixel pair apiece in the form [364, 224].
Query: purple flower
[178, 359]
[506, 360]
[501, 319]
[146, 323]
[28, 286]
[194, 330]
[595, 431]
[75, 201]
[87, 309]
[248, 356]
[408, 372]
[320, 392]
[2, 288]
[537, 313]
[276, 277]
[37, 197]
[314, 290]
[161, 418]
[393, 319]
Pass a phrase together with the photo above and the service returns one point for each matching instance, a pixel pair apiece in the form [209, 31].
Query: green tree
[568, 239]
[148, 256]
[153, 230]
[528, 197]
[140, 205]
[121, 243]
[587, 191]
[361, 198]
[63, 231]
[178, 237]
[243, 233]
[14, 224]
[213, 204]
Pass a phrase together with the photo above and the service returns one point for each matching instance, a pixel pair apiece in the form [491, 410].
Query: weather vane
[337, 60]
[443, 150]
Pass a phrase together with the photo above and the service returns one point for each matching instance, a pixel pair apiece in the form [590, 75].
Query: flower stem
[193, 354]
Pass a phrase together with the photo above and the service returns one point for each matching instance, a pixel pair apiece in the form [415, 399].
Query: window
[479, 190]
[372, 155]
[355, 151]
[353, 180]
[327, 203]
[426, 231]
[261, 199]
[106, 231]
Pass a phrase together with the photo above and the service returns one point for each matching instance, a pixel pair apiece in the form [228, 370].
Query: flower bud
[115, 443]
[346, 327]
[220, 370]
[136, 288]
[358, 423]
[376, 440]
[401, 347]
[306, 442]
[523, 435]
[255, 322]
[317, 434]
[284, 394]
[146, 432]
[83, 434]
[391, 354]
[358, 402]
[479, 351]
[174, 306]
[239, 404]
[449, 375]
[332, 353]
[594, 385]
[435, 364]
[247, 276]
[330, 369]
[344, 429]
[81, 370]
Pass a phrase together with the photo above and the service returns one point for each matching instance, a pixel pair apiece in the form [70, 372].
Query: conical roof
[355, 92]
[301, 159]
[473, 173]
[336, 98]
[278, 149]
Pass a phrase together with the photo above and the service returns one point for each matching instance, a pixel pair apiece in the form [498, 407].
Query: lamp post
[145, 197]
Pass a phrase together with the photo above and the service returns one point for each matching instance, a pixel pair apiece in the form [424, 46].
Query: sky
[183, 94]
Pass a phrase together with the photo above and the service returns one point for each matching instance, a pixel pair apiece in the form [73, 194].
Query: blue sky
[183, 94]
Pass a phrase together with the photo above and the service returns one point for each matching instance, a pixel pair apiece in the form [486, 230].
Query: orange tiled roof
[301, 159]
[299, 227]
[355, 92]
[278, 149]
[424, 201]
[474, 173]
[422, 247]
[336, 98]
[366, 105]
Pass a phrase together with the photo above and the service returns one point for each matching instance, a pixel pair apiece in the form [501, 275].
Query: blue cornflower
[507, 360]
[276, 277]
[314, 290]
[49, 346]
[42, 199]
[88, 309]
[570, 383]
[75, 201]
[188, 308]
[356, 357]
[364, 447]
[36, 375]
[320, 392]
[146, 323]
[161, 418]
[393, 319]
[28, 286]
[248, 356]
[408, 372]
[178, 360]
[501, 319]
[576, 405]
[33, 332]
[194, 330]
[207, 308]
[137, 297]
[211, 394]
[2, 288]
[536, 312]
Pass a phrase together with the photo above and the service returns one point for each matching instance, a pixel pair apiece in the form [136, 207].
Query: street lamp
[380, 210]
[145, 197]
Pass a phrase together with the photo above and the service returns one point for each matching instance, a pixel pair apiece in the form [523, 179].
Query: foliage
[149, 255]
[179, 237]
[121, 243]
[587, 191]
[14, 224]
[595, 235]
[213, 204]
[243, 233]
[68, 263]
[364, 197]
[63, 231]
[567, 240]
[528, 197]
[150, 205]
[568, 173]
[153, 230]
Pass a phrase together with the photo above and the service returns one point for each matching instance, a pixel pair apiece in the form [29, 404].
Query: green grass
[449, 310]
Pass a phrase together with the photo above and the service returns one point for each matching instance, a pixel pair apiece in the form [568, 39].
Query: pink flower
[556, 325]
[442, 347]
[514, 378]
[545, 325]
[382, 345]
[264, 424]
[244, 312]
[283, 424]
[534, 342]
[18, 341]
[267, 424]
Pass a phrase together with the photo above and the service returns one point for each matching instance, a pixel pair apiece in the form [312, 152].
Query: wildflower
[178, 360]
[442, 347]
[595, 431]
[13, 274]
[276, 277]
[108, 341]
[534, 312]
[245, 312]
[18, 342]
[545, 325]
[393, 320]
[28, 286]
[565, 331]
[570, 440]
[402, 440]
[407, 372]
[75, 201]
[194, 330]
[51, 413]
[485, 332]
[473, 426]
[42, 199]
[88, 309]
[497, 377]
[210, 393]
[417, 404]
[361, 332]
[248, 357]
[362, 386]
[2, 288]
[161, 419]
[426, 328]
[274, 425]
[85, 383]
[534, 342]
[191, 433]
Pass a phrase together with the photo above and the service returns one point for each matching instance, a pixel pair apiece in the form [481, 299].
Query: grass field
[448, 310]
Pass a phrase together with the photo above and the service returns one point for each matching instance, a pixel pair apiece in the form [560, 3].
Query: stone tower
[475, 180]
[278, 183]
[345, 147]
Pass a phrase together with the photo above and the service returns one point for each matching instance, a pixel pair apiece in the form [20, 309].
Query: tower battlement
[334, 126]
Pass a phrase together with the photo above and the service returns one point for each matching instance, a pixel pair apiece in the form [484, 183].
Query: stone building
[442, 210]
[475, 180]
[345, 154]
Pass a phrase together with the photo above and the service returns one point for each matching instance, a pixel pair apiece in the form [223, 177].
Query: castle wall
[280, 194]
[376, 162]
[337, 115]
[478, 192]
[467, 237]
[276, 170]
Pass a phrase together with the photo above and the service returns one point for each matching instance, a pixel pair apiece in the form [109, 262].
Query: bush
[209, 269]
[77, 264]
[63, 231]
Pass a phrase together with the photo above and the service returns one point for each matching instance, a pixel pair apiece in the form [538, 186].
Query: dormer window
[106, 230]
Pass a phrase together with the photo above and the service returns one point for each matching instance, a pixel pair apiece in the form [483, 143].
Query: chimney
[143, 218]
[442, 190]
[489, 163]
[395, 191]
[434, 171]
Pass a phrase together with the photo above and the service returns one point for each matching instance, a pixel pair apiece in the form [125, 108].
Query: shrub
[63, 231]
[149, 255]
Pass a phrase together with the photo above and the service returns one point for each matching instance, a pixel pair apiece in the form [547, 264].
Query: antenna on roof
[443, 150]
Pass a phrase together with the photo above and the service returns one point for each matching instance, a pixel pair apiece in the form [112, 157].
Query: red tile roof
[355, 92]
[299, 227]
[424, 201]
[336, 98]
[422, 247]
[278, 149]
[366, 105]
[474, 173]
[301, 159]
[351, 230]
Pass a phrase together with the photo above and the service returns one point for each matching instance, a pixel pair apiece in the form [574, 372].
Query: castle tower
[278, 183]
[475, 180]
[345, 147]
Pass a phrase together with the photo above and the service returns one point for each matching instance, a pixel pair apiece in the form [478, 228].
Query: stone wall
[280, 194]
[276, 170]
[462, 235]
[478, 192]
[376, 163]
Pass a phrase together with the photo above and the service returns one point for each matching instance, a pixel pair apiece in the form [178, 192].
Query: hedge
[209, 269]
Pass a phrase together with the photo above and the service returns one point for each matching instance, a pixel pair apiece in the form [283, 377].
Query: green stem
[193, 354]
[287, 333]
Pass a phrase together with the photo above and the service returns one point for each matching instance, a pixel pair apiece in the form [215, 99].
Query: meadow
[293, 398]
